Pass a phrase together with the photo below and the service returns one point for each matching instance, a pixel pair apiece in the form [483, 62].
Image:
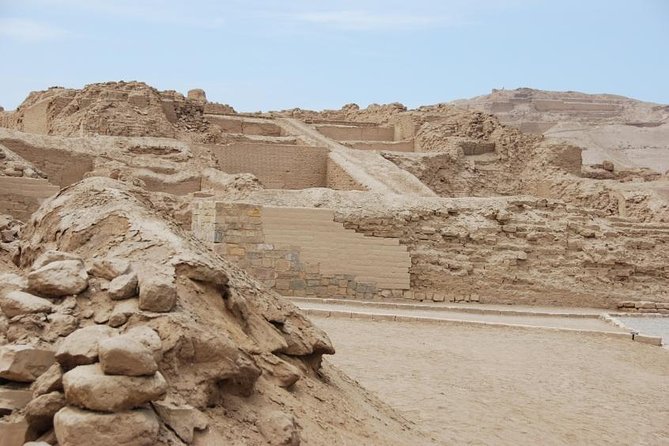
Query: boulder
[279, 371]
[123, 355]
[157, 293]
[183, 419]
[49, 381]
[109, 268]
[13, 399]
[53, 256]
[81, 347]
[61, 325]
[59, 278]
[123, 287]
[24, 363]
[16, 303]
[76, 427]
[40, 411]
[279, 429]
[88, 387]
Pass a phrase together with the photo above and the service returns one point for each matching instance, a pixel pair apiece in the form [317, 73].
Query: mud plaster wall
[230, 124]
[350, 133]
[276, 166]
[20, 196]
[62, 167]
[339, 179]
[303, 252]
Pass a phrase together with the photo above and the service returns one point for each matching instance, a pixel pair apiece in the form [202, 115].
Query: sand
[506, 386]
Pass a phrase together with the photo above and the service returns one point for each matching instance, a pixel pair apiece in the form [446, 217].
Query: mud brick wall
[20, 197]
[525, 251]
[277, 166]
[282, 248]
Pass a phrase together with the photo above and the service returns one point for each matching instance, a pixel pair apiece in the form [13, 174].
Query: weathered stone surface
[13, 399]
[123, 355]
[122, 311]
[53, 256]
[279, 371]
[182, 418]
[15, 432]
[24, 363]
[109, 268]
[88, 387]
[49, 381]
[123, 287]
[76, 427]
[59, 278]
[279, 429]
[148, 337]
[81, 347]
[62, 325]
[15, 303]
[40, 411]
[157, 293]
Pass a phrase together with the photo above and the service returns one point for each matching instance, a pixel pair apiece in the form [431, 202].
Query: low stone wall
[303, 252]
[20, 196]
[390, 146]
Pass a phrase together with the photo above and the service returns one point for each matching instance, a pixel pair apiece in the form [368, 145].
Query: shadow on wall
[62, 167]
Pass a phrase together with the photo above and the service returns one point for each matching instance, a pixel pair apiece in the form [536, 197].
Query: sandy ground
[509, 386]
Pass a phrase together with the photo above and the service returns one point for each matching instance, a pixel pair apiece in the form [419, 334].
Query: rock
[123, 287]
[123, 355]
[49, 381]
[24, 363]
[157, 293]
[15, 303]
[608, 165]
[279, 429]
[53, 256]
[197, 94]
[59, 278]
[279, 371]
[15, 432]
[183, 419]
[40, 411]
[81, 347]
[148, 337]
[76, 427]
[109, 268]
[61, 325]
[88, 387]
[13, 399]
[11, 281]
[36, 443]
[122, 311]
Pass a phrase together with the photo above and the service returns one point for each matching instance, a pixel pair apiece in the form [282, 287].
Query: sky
[315, 54]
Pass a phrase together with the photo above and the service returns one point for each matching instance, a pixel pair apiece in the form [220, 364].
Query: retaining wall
[20, 196]
[302, 251]
[354, 133]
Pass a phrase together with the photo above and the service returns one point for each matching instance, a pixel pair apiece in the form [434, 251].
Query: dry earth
[506, 386]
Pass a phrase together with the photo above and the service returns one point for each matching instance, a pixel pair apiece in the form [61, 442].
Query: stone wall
[20, 196]
[303, 252]
[277, 166]
[339, 179]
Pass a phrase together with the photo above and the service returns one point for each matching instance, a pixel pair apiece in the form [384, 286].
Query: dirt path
[507, 386]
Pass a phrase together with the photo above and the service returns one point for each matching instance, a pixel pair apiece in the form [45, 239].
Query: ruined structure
[176, 225]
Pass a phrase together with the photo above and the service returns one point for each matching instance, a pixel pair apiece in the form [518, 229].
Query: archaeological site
[174, 272]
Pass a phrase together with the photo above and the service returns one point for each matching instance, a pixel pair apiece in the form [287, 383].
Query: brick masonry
[302, 251]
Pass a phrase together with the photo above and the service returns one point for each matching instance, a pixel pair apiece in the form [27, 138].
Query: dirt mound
[160, 341]
[629, 132]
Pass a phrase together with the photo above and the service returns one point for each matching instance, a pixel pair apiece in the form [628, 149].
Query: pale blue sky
[275, 54]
